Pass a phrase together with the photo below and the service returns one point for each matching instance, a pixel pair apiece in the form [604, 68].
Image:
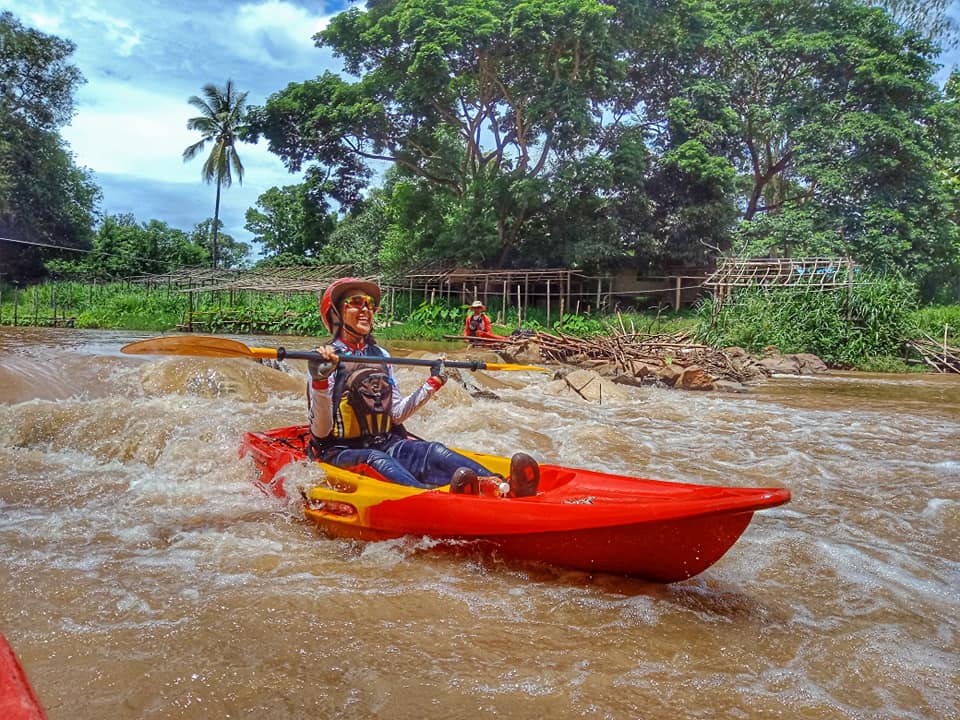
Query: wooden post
[548, 303]
[526, 292]
[599, 291]
[16, 302]
[676, 297]
[503, 309]
[519, 308]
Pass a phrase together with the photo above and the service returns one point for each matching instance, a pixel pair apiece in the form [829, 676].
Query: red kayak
[481, 340]
[579, 519]
[17, 699]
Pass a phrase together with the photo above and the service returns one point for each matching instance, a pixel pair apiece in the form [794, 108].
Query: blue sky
[142, 59]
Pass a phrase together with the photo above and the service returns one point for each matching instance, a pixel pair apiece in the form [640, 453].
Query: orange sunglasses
[359, 302]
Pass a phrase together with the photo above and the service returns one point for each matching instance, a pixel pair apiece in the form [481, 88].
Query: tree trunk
[216, 225]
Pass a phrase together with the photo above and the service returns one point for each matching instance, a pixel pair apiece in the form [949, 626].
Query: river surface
[143, 576]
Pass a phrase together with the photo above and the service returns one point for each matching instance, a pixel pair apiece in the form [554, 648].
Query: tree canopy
[45, 199]
[591, 133]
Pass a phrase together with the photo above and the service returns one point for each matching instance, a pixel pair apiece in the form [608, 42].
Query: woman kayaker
[356, 410]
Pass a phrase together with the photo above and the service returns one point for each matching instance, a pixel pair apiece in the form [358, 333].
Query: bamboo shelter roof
[307, 279]
[299, 279]
[460, 275]
[802, 273]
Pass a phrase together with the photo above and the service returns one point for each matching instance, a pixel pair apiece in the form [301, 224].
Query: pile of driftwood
[671, 359]
[938, 355]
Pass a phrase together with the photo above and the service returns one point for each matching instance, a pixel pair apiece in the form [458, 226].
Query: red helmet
[334, 295]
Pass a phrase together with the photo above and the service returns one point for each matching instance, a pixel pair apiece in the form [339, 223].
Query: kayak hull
[579, 519]
[18, 701]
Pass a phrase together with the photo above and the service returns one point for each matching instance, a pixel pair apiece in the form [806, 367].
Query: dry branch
[938, 355]
[635, 354]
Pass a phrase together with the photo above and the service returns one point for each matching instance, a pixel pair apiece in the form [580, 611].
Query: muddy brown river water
[142, 575]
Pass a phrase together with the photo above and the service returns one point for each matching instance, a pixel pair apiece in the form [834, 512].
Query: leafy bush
[843, 327]
[932, 321]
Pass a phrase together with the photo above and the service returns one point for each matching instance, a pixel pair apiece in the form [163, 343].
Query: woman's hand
[438, 370]
[321, 368]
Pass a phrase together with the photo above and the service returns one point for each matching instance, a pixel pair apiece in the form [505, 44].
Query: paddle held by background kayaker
[356, 410]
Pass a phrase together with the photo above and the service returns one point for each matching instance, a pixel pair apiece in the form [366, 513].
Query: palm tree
[222, 117]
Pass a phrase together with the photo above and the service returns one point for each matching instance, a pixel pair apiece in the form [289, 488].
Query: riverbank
[885, 336]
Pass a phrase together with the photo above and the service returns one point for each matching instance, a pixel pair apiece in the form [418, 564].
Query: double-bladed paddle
[206, 346]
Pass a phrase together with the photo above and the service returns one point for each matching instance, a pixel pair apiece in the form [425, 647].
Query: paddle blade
[197, 345]
[509, 366]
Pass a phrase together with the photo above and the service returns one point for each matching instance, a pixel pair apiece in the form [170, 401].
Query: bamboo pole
[503, 310]
[548, 303]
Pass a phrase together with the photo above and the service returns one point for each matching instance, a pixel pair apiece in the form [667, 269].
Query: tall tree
[472, 98]
[45, 199]
[233, 253]
[220, 122]
[288, 221]
[827, 112]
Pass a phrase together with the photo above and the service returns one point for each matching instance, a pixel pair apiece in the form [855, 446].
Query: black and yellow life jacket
[362, 400]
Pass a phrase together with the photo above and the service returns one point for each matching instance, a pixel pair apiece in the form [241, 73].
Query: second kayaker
[356, 410]
[477, 323]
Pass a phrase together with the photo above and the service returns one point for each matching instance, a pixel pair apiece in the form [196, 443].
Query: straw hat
[478, 304]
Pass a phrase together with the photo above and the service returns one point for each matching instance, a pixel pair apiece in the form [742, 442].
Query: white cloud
[117, 32]
[113, 134]
[50, 24]
[276, 32]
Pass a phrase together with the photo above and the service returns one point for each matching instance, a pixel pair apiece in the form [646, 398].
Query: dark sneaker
[465, 482]
[524, 475]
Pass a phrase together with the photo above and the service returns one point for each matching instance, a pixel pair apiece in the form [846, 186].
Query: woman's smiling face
[358, 314]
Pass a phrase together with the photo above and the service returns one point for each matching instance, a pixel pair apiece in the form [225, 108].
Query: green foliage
[579, 325]
[123, 248]
[44, 196]
[38, 79]
[473, 101]
[358, 238]
[289, 220]
[108, 306]
[438, 314]
[843, 327]
[231, 253]
[932, 321]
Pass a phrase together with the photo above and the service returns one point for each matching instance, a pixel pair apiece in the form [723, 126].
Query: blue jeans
[417, 463]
